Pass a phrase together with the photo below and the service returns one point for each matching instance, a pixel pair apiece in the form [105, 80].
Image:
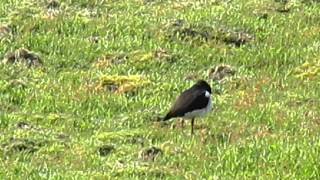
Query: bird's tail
[167, 117]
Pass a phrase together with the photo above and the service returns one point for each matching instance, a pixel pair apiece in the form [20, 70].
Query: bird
[192, 103]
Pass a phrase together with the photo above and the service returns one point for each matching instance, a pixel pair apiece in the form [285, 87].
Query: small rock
[150, 153]
[23, 125]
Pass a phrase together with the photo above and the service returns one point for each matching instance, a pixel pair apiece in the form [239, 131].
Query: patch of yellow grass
[122, 83]
[312, 31]
[103, 136]
[308, 70]
[103, 62]
[140, 56]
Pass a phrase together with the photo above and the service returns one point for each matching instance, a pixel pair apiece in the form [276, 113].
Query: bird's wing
[188, 101]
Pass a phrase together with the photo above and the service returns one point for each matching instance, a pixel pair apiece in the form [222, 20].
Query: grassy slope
[266, 121]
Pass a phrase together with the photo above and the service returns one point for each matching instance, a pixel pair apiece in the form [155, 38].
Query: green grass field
[85, 103]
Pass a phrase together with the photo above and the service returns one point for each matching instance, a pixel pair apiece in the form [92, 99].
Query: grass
[83, 114]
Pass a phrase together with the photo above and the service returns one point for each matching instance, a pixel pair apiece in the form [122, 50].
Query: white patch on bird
[207, 94]
[199, 112]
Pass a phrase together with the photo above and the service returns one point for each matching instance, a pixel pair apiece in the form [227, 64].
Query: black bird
[193, 102]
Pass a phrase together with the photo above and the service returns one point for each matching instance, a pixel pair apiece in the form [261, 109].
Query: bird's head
[204, 85]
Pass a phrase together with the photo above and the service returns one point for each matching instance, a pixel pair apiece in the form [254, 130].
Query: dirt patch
[138, 56]
[62, 137]
[53, 4]
[164, 55]
[105, 150]
[301, 102]
[17, 84]
[284, 6]
[4, 30]
[23, 56]
[138, 139]
[150, 154]
[283, 10]
[236, 38]
[22, 145]
[192, 77]
[221, 71]
[262, 16]
[160, 55]
[181, 30]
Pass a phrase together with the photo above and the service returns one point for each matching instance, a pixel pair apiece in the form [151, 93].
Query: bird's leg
[182, 123]
[192, 123]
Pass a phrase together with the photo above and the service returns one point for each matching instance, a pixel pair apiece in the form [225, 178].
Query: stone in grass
[24, 56]
[105, 150]
[150, 154]
[24, 125]
[219, 72]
